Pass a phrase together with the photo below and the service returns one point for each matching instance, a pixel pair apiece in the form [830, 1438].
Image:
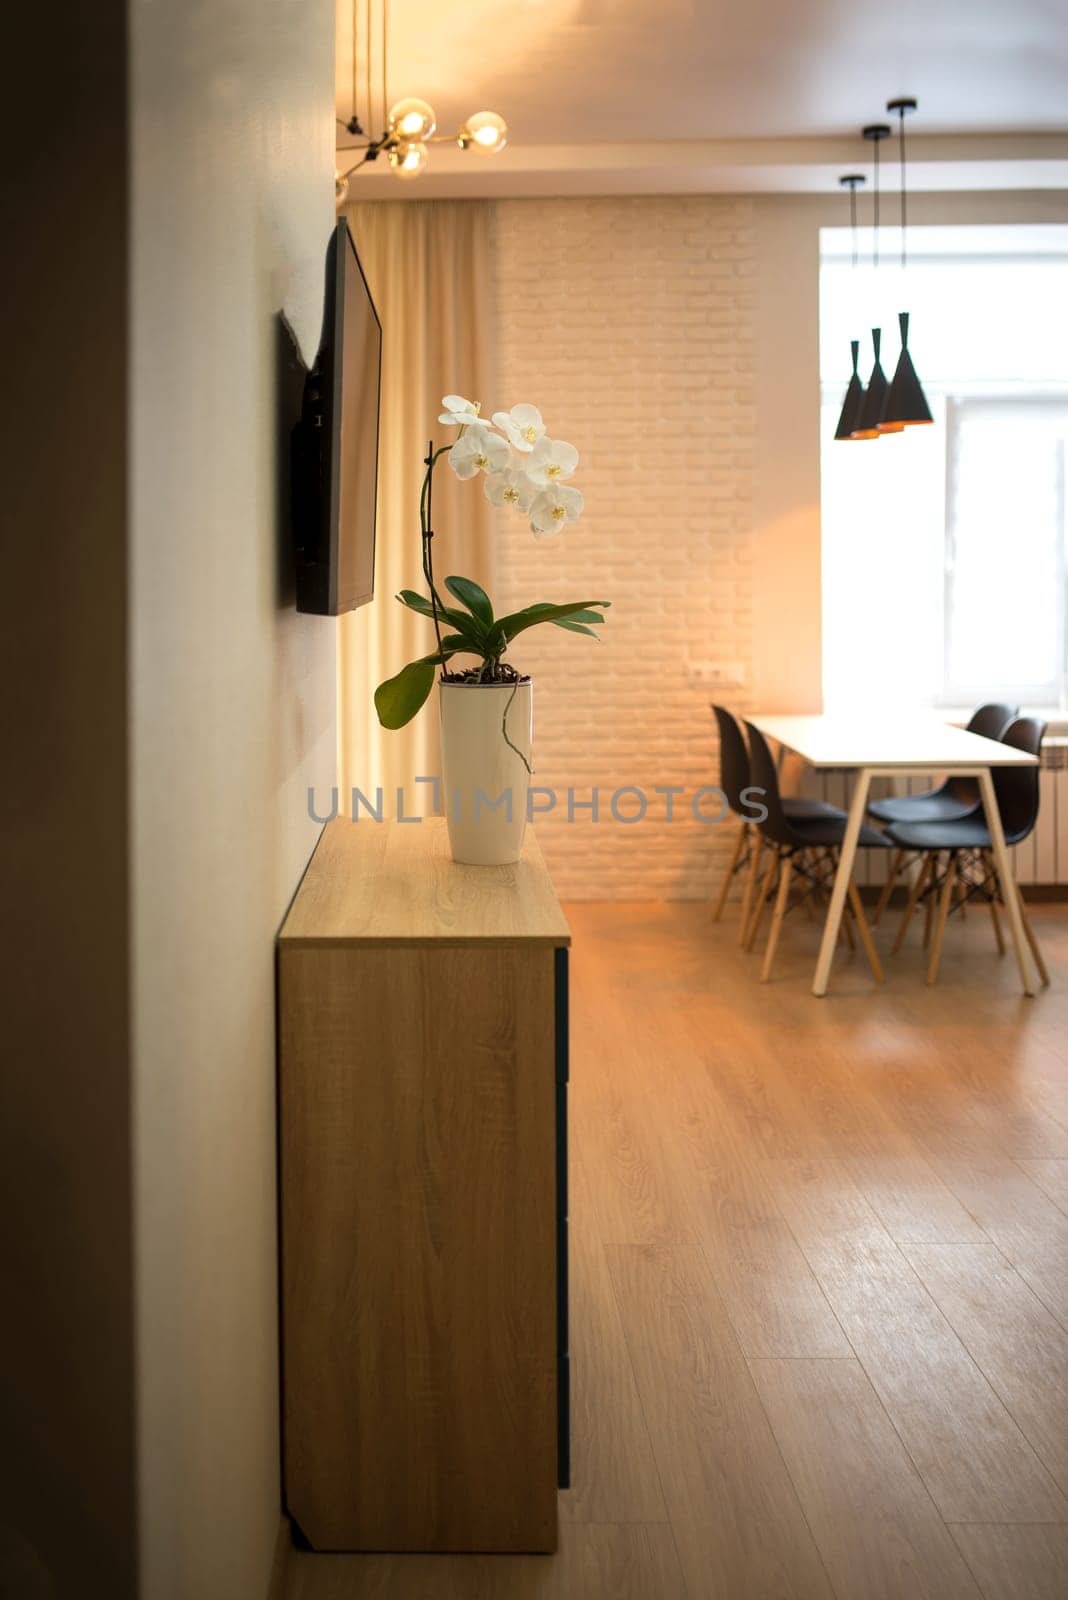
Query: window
[1005, 549]
[944, 549]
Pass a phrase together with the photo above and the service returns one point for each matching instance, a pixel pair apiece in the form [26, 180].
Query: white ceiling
[739, 85]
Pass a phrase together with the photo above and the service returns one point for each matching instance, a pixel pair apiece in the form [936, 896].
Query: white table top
[913, 742]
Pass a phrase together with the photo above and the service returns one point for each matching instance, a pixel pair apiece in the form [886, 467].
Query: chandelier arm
[367, 62]
[385, 58]
[355, 109]
[356, 167]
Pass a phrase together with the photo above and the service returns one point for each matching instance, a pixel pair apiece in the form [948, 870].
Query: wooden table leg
[1005, 877]
[858, 806]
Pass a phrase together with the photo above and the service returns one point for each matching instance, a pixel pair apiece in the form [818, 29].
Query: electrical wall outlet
[718, 674]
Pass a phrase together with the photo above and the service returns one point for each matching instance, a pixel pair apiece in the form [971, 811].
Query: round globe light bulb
[485, 132]
[408, 158]
[412, 119]
[341, 188]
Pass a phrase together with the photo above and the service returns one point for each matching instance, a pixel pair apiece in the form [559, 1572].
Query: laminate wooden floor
[819, 1279]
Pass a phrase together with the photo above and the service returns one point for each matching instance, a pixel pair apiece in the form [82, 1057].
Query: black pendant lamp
[874, 403]
[873, 407]
[854, 395]
[906, 403]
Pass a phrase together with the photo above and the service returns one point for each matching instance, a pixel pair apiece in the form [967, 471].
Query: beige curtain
[429, 266]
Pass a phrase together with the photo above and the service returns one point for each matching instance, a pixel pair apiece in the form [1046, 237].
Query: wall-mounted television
[335, 444]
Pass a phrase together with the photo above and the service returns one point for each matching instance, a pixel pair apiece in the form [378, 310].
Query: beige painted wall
[233, 716]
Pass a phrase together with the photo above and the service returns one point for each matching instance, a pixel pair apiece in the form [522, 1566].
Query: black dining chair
[734, 780]
[805, 846]
[957, 797]
[970, 872]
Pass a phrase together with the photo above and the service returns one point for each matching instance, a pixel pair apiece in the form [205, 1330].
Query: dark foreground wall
[67, 1511]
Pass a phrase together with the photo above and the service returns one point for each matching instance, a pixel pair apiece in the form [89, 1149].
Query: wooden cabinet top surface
[395, 883]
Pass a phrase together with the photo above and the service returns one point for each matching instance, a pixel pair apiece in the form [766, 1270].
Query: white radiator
[1041, 860]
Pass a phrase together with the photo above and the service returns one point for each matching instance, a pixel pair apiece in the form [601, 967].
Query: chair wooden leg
[763, 897]
[806, 860]
[913, 900]
[739, 845]
[945, 900]
[865, 934]
[888, 887]
[781, 900]
[932, 902]
[996, 920]
[750, 884]
[1032, 939]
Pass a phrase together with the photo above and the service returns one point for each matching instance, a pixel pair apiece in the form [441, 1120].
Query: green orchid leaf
[462, 621]
[400, 697]
[416, 602]
[576, 627]
[473, 597]
[586, 616]
[505, 629]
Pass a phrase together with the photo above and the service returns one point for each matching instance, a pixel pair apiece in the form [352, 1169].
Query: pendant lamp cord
[875, 233]
[853, 220]
[904, 203]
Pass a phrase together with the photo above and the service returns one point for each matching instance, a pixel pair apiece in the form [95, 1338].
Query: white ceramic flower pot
[485, 781]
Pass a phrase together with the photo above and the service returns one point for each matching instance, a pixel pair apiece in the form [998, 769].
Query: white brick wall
[630, 322]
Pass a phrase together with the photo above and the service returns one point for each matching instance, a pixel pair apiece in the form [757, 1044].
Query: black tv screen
[335, 476]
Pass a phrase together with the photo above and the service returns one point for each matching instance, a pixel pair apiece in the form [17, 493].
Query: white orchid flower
[458, 412]
[511, 487]
[550, 460]
[522, 426]
[554, 508]
[478, 449]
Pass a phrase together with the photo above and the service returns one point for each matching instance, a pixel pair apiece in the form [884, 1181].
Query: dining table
[894, 746]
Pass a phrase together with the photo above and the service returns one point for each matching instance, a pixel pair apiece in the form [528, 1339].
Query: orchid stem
[426, 502]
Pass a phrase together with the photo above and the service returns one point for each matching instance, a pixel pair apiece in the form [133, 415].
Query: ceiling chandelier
[410, 124]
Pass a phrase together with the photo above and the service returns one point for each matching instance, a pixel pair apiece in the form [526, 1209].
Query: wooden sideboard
[423, 1171]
